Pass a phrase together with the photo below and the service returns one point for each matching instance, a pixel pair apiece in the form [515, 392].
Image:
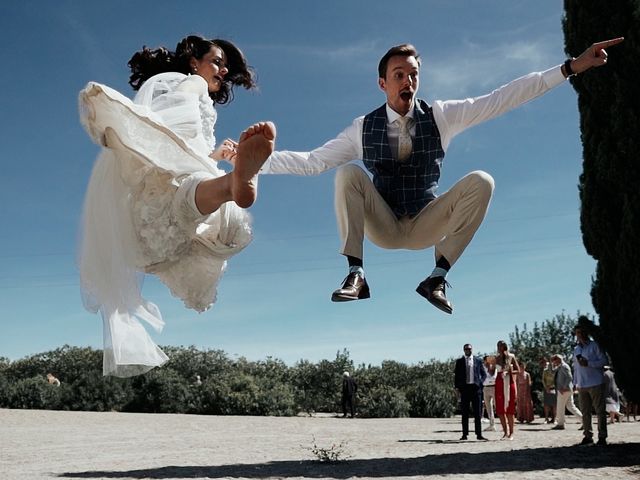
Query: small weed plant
[335, 453]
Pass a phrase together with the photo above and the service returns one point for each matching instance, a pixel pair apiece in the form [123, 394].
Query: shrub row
[226, 386]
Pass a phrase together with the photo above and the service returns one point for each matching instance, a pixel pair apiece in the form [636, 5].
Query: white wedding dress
[140, 214]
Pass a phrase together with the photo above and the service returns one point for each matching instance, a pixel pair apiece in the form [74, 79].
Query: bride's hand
[226, 151]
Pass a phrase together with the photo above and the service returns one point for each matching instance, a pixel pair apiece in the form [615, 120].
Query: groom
[402, 145]
[469, 376]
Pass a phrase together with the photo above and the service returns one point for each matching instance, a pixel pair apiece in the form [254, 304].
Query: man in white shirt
[402, 144]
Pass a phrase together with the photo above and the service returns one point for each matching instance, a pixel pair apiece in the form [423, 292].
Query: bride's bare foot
[254, 147]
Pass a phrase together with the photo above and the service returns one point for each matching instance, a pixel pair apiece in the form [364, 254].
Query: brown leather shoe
[432, 289]
[354, 287]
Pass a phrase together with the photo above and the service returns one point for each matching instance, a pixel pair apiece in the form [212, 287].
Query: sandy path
[36, 444]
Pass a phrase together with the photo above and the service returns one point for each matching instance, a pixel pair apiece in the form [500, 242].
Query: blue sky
[316, 65]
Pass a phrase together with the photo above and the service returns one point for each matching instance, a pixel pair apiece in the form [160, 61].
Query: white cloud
[474, 68]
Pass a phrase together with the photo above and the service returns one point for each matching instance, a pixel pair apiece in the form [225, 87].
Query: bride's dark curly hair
[146, 63]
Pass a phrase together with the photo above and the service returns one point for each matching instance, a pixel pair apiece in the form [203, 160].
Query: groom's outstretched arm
[336, 152]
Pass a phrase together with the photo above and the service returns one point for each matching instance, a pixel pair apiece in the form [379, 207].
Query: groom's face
[401, 83]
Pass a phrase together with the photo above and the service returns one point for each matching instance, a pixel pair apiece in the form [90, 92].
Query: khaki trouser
[449, 222]
[565, 401]
[593, 398]
[489, 395]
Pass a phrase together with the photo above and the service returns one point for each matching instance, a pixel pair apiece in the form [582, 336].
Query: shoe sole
[347, 298]
[439, 306]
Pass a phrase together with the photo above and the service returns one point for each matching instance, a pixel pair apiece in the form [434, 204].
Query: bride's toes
[254, 147]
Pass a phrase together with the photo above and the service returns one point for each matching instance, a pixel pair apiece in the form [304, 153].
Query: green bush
[275, 399]
[212, 396]
[318, 387]
[34, 392]
[5, 392]
[383, 402]
[431, 399]
[93, 392]
[243, 395]
[160, 391]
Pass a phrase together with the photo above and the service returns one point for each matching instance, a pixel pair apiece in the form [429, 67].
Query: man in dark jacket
[349, 388]
[469, 379]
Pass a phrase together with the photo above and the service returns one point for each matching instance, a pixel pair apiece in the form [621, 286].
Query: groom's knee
[481, 184]
[483, 181]
[347, 175]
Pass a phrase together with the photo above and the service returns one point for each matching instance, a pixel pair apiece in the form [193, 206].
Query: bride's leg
[254, 147]
[212, 193]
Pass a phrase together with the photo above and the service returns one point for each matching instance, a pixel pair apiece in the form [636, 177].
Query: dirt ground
[37, 444]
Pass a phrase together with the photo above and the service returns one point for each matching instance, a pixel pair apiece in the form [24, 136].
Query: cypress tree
[609, 106]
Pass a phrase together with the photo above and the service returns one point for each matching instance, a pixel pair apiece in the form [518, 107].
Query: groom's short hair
[404, 50]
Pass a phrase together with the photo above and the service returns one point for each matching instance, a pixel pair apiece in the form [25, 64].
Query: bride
[157, 202]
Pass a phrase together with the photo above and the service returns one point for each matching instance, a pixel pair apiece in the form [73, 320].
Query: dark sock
[441, 269]
[443, 263]
[354, 261]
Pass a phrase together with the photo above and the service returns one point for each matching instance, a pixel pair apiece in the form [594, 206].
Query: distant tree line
[225, 386]
[228, 386]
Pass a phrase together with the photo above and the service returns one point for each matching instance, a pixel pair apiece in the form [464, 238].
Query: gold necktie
[404, 139]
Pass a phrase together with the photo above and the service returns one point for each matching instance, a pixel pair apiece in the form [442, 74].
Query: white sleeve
[455, 116]
[180, 109]
[344, 148]
[174, 99]
[193, 84]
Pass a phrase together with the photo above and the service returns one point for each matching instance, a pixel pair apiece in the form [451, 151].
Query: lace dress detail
[208, 117]
[161, 236]
[147, 180]
[185, 249]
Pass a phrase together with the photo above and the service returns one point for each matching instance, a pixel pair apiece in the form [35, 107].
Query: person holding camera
[588, 372]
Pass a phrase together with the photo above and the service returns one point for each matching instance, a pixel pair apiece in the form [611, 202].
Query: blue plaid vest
[410, 185]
